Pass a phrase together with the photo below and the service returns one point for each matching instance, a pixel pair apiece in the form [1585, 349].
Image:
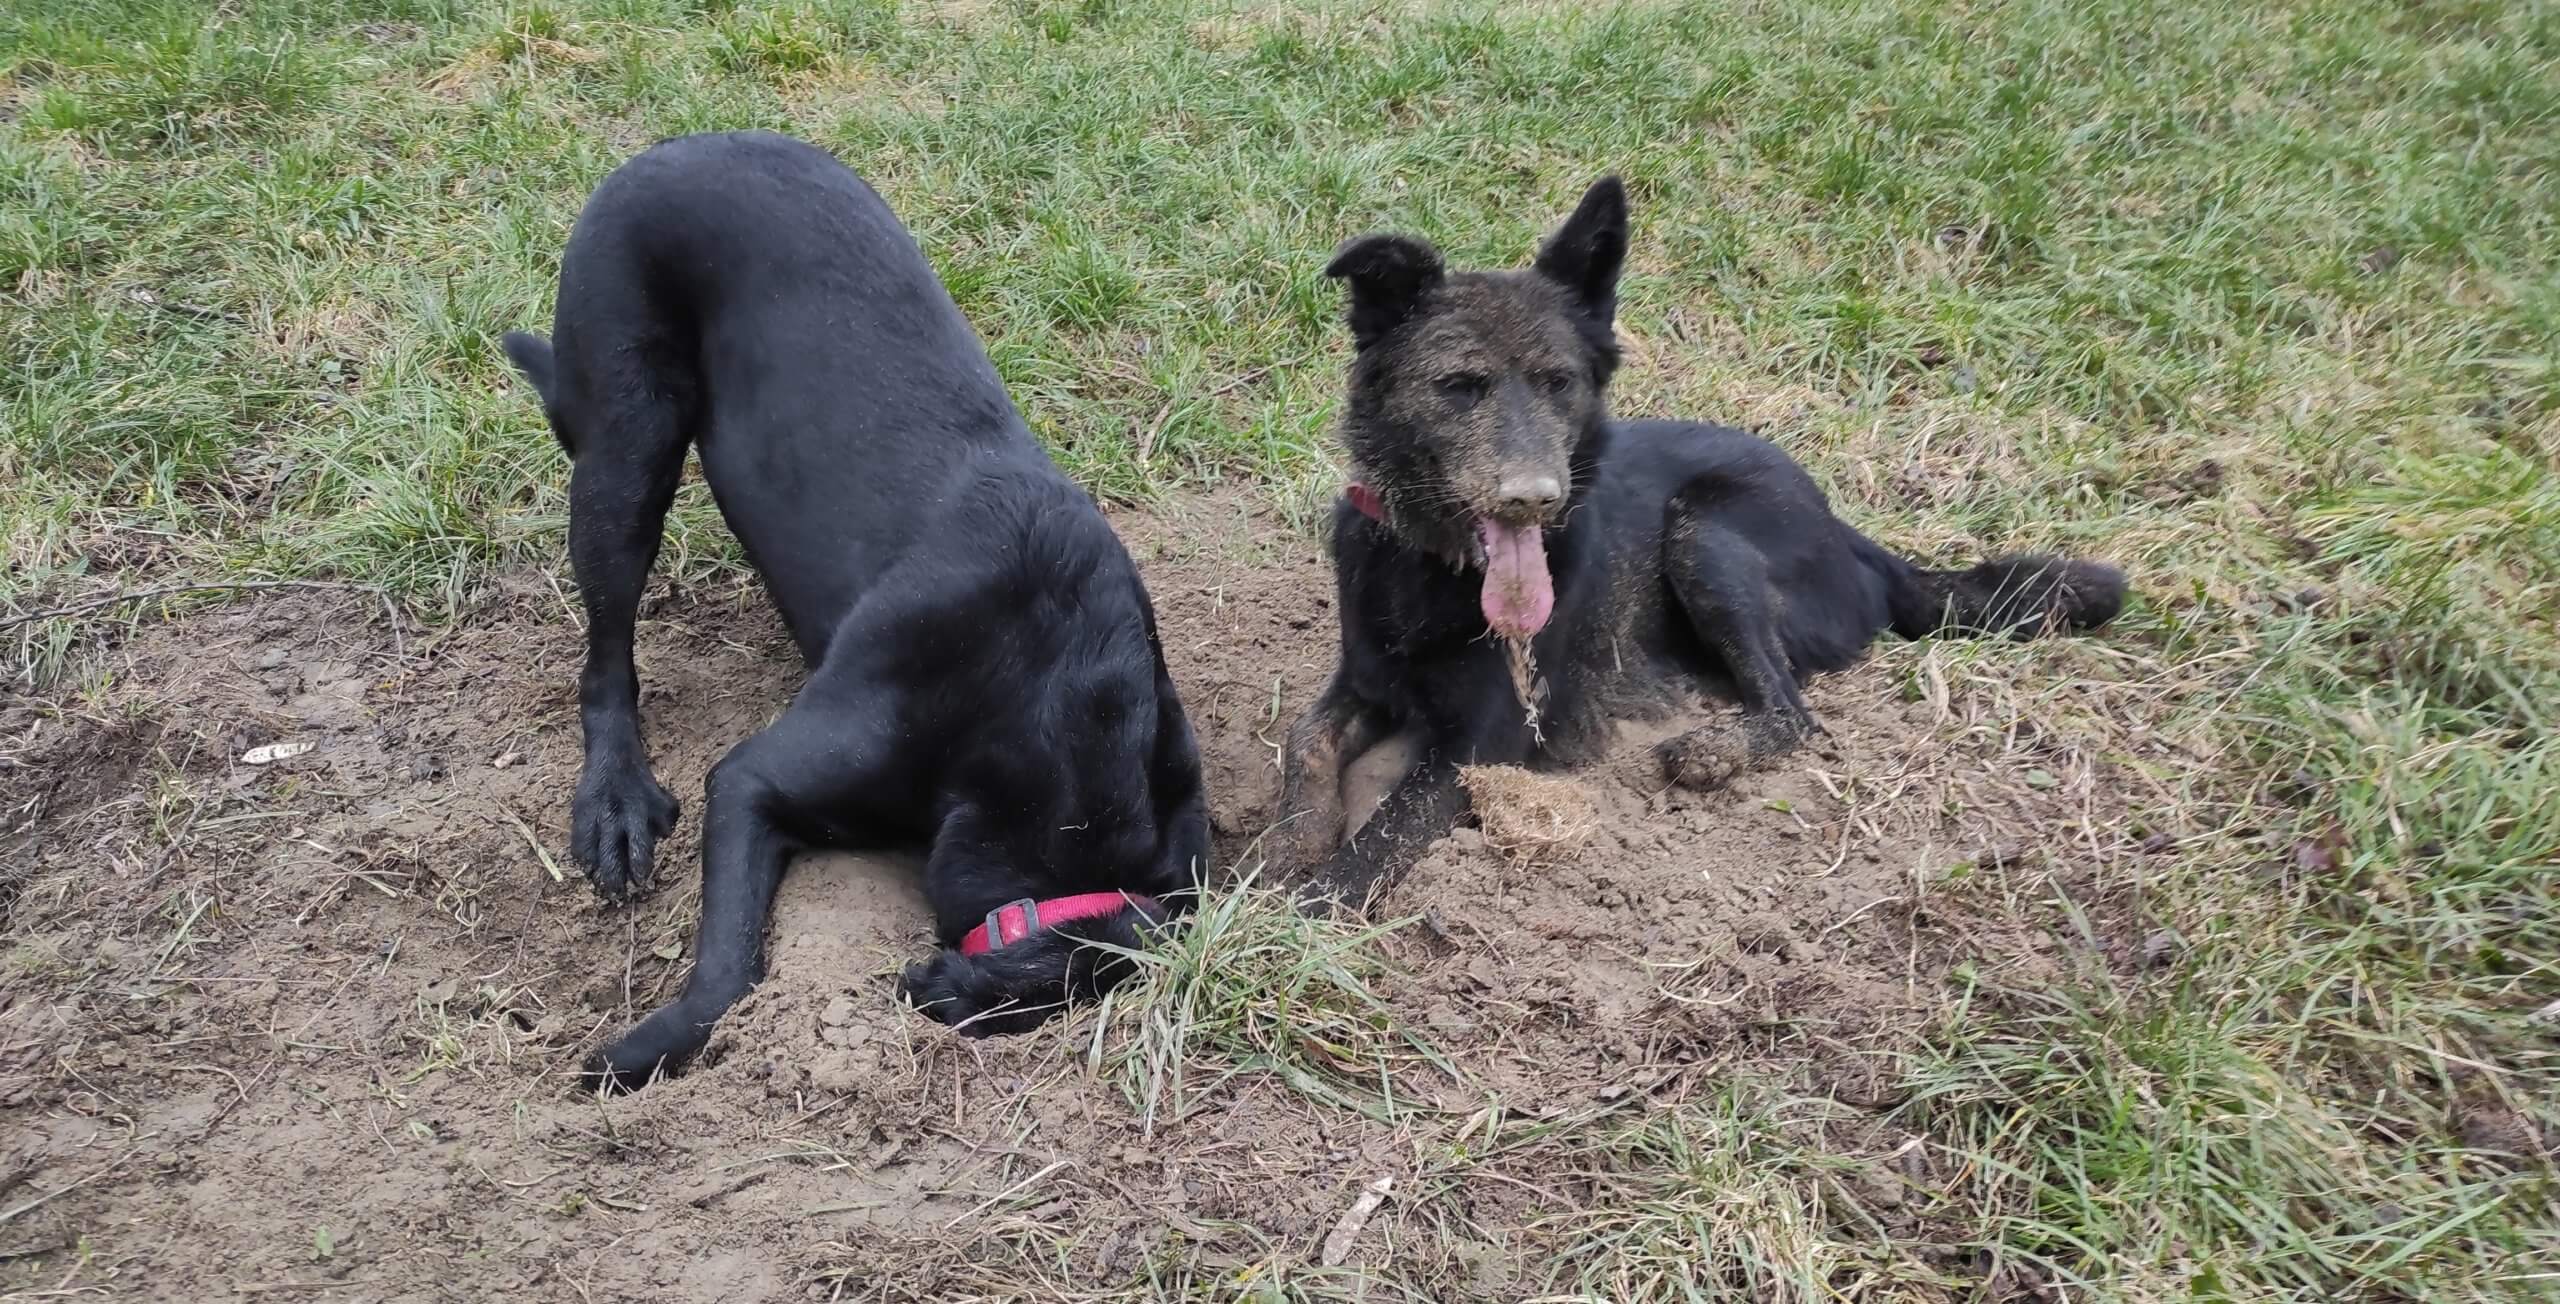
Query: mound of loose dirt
[308, 1024]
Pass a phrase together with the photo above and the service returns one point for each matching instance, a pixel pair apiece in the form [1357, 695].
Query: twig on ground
[1337, 1243]
[540, 852]
[990, 1202]
[169, 854]
[391, 617]
[17, 1211]
[1855, 915]
[149, 298]
[239, 1097]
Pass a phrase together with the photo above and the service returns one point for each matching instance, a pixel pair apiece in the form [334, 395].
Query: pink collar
[1015, 920]
[1366, 499]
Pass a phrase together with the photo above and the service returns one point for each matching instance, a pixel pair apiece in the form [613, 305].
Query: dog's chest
[1420, 628]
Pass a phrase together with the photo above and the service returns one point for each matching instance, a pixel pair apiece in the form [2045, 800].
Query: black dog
[985, 677]
[1494, 502]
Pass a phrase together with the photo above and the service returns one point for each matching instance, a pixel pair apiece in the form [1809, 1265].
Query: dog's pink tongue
[1518, 597]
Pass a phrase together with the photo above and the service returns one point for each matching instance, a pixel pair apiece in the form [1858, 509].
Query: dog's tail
[2019, 597]
[532, 356]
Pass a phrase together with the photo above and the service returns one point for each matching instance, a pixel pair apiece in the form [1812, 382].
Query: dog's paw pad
[1705, 759]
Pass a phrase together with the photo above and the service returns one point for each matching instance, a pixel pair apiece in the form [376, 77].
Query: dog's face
[1471, 391]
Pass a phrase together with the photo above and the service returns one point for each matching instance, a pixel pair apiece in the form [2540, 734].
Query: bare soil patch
[309, 1024]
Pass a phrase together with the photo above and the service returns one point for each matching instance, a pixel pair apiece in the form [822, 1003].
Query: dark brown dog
[1497, 510]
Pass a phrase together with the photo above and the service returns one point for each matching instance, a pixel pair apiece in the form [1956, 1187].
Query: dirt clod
[1705, 759]
[2160, 949]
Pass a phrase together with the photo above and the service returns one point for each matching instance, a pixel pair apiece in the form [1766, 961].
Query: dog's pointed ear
[1587, 252]
[1388, 275]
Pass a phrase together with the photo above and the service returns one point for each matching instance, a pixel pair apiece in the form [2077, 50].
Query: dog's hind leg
[2016, 597]
[1721, 583]
[629, 424]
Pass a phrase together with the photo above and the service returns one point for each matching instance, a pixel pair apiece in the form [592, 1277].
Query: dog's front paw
[630, 1061]
[1344, 885]
[659, 1045]
[615, 823]
[1299, 847]
[1705, 759]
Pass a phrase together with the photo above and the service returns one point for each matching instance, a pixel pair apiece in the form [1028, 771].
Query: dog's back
[852, 394]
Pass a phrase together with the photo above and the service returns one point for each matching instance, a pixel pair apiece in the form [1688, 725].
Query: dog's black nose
[1531, 495]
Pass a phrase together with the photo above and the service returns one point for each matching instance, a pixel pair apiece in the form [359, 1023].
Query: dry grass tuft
[1534, 819]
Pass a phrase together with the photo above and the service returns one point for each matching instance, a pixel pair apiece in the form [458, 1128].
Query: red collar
[1366, 499]
[1015, 920]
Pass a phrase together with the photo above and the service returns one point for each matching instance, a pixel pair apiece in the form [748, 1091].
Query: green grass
[2005, 273]
[2170, 1137]
[1250, 986]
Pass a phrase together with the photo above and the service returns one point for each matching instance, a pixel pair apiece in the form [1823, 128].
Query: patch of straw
[1532, 819]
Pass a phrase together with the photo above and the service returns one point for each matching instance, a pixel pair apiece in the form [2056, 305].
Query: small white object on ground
[1337, 1243]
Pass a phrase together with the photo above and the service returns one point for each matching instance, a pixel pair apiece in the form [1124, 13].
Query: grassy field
[2258, 300]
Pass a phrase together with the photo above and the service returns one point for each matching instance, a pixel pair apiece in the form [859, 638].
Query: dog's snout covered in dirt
[985, 677]
[1516, 570]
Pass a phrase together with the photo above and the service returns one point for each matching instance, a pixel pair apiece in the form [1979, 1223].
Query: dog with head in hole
[1516, 570]
[984, 679]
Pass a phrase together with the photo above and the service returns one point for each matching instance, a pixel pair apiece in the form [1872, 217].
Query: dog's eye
[1466, 388]
[1552, 382]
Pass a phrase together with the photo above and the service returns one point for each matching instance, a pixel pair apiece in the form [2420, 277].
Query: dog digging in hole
[1516, 571]
[984, 675]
